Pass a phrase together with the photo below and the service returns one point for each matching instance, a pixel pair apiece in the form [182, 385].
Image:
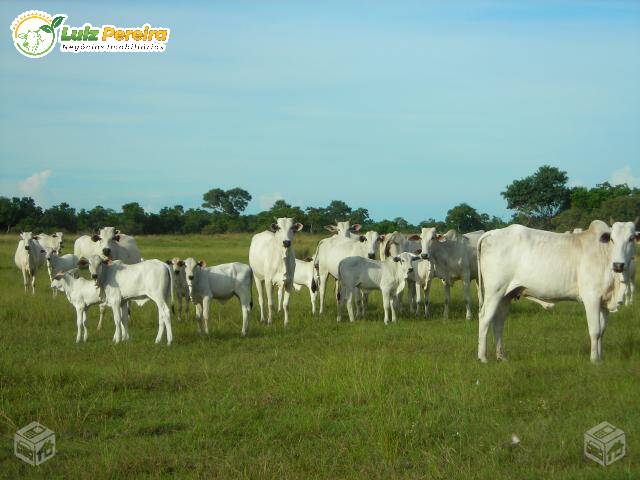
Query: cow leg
[604, 318]
[447, 299]
[427, 292]
[357, 298]
[487, 314]
[466, 283]
[206, 307]
[268, 286]
[349, 300]
[179, 302]
[498, 326]
[280, 293]
[79, 323]
[285, 303]
[199, 317]
[125, 320]
[592, 308]
[102, 307]
[394, 301]
[322, 285]
[386, 303]
[166, 318]
[117, 319]
[364, 302]
[245, 306]
[33, 281]
[25, 279]
[258, 283]
[84, 324]
[418, 292]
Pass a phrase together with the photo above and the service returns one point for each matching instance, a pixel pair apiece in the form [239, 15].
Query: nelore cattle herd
[595, 267]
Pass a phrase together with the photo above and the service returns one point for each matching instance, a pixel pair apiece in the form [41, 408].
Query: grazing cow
[120, 283]
[332, 250]
[28, 257]
[343, 229]
[53, 241]
[273, 262]
[454, 258]
[109, 243]
[388, 276]
[81, 293]
[220, 282]
[177, 267]
[305, 276]
[518, 261]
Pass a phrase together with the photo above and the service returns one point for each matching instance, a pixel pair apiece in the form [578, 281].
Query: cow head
[176, 265]
[428, 237]
[371, 239]
[107, 238]
[284, 230]
[58, 236]
[29, 240]
[96, 265]
[343, 229]
[623, 243]
[192, 270]
[405, 264]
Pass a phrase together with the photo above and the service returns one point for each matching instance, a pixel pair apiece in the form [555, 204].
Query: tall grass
[315, 400]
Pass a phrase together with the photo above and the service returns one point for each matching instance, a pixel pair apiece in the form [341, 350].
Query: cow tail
[338, 282]
[251, 288]
[480, 284]
[171, 287]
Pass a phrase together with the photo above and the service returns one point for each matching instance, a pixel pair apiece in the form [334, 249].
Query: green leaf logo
[46, 28]
[57, 21]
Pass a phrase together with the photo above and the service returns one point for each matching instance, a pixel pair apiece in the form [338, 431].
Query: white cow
[220, 282]
[332, 250]
[108, 242]
[454, 258]
[120, 283]
[28, 257]
[396, 243]
[518, 261]
[178, 271]
[631, 282]
[81, 293]
[273, 262]
[57, 263]
[388, 276]
[305, 276]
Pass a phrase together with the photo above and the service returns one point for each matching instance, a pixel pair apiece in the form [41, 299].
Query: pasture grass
[315, 400]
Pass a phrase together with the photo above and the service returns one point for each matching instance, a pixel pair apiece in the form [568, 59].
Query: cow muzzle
[190, 277]
[177, 272]
[286, 243]
[424, 256]
[618, 267]
[106, 252]
[372, 256]
[26, 248]
[94, 276]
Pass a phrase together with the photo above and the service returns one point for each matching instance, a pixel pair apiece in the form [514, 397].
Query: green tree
[464, 218]
[134, 218]
[230, 202]
[60, 216]
[539, 197]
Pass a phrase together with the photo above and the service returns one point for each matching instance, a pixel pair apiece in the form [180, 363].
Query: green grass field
[315, 400]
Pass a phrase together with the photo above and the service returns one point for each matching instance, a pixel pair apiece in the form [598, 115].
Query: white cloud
[624, 175]
[32, 186]
[266, 201]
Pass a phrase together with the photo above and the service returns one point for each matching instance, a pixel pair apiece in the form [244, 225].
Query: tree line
[542, 200]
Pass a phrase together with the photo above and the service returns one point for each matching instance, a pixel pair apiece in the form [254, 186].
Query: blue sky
[405, 108]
